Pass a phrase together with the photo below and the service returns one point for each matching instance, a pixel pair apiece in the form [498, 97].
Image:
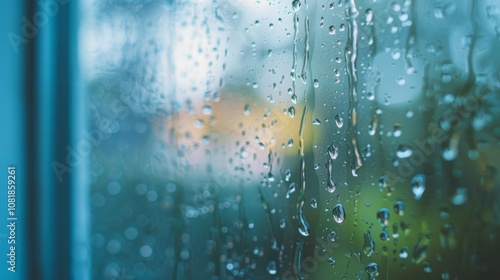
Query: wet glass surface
[293, 139]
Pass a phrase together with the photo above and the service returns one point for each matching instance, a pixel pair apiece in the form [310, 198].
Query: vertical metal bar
[53, 156]
[32, 159]
[80, 205]
[64, 148]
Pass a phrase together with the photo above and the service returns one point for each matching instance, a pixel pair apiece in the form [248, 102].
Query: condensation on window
[293, 139]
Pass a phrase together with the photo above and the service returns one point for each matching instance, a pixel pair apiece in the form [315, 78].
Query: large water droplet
[291, 189]
[439, 12]
[396, 54]
[331, 29]
[369, 16]
[333, 151]
[291, 111]
[288, 174]
[296, 4]
[331, 186]
[399, 207]
[247, 110]
[450, 153]
[427, 266]
[372, 127]
[372, 270]
[384, 235]
[382, 181]
[282, 223]
[274, 244]
[383, 215]
[271, 268]
[331, 261]
[199, 123]
[418, 186]
[207, 110]
[404, 151]
[270, 177]
[368, 244]
[338, 213]
[460, 196]
[396, 130]
[257, 250]
[262, 146]
[339, 121]
[403, 253]
[332, 236]
[303, 225]
[401, 80]
[314, 203]
[395, 232]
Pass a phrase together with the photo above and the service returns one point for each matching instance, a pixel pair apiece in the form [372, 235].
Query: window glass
[293, 139]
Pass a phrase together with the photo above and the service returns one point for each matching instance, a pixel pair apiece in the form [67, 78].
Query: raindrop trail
[373, 125]
[303, 75]
[372, 40]
[331, 186]
[456, 134]
[471, 79]
[295, 51]
[303, 225]
[410, 43]
[351, 53]
[270, 162]
[297, 264]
